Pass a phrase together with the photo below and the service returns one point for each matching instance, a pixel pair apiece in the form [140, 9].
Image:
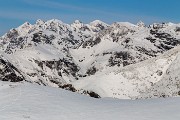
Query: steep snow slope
[170, 82]
[157, 77]
[22, 101]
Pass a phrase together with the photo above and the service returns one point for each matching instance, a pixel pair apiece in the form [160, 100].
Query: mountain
[21, 101]
[121, 60]
[153, 78]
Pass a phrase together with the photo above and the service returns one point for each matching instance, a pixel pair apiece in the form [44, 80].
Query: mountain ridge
[74, 56]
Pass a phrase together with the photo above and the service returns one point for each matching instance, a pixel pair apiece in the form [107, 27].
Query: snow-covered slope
[156, 77]
[106, 60]
[123, 43]
[22, 101]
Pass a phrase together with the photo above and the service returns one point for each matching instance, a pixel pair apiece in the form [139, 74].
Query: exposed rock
[9, 73]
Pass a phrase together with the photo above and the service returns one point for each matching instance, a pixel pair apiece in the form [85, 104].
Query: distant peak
[141, 24]
[25, 25]
[77, 22]
[97, 22]
[39, 22]
[55, 21]
[24, 28]
[127, 24]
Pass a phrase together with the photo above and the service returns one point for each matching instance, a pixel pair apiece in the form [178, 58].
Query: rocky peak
[99, 25]
[98, 22]
[77, 24]
[24, 28]
[39, 22]
[141, 24]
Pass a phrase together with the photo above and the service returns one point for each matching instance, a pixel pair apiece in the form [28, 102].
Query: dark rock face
[12, 77]
[91, 71]
[159, 72]
[84, 28]
[9, 73]
[68, 87]
[36, 38]
[91, 42]
[93, 94]
[13, 43]
[179, 93]
[177, 29]
[12, 34]
[42, 38]
[62, 66]
[100, 26]
[150, 53]
[167, 42]
[152, 40]
[120, 58]
[72, 89]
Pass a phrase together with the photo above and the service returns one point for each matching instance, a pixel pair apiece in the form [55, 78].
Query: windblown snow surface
[22, 101]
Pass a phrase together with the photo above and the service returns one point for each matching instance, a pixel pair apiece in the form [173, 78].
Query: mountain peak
[39, 22]
[98, 22]
[141, 24]
[56, 21]
[77, 22]
[26, 24]
[24, 28]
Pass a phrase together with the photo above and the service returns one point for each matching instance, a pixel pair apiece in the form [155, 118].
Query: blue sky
[15, 12]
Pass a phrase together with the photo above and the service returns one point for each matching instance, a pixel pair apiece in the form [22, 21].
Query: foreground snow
[24, 101]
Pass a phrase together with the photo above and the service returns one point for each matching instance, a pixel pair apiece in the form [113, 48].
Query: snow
[66, 42]
[95, 23]
[39, 22]
[134, 80]
[155, 77]
[24, 101]
[24, 28]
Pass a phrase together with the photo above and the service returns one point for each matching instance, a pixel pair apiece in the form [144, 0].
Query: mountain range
[121, 60]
